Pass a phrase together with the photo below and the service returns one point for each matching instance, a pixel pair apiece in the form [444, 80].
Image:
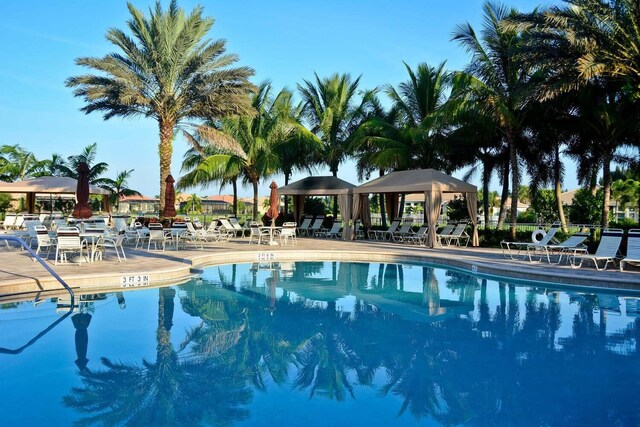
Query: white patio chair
[43, 240]
[115, 242]
[334, 231]
[547, 239]
[157, 236]
[287, 233]
[458, 234]
[68, 241]
[383, 234]
[258, 234]
[404, 229]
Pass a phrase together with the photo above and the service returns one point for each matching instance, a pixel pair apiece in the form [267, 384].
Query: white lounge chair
[334, 231]
[607, 250]
[383, 234]
[9, 221]
[633, 249]
[315, 226]
[236, 226]
[419, 237]
[304, 226]
[574, 244]
[547, 239]
[457, 235]
[445, 232]
[404, 229]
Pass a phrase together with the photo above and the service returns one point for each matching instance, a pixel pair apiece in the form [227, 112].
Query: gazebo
[433, 184]
[51, 185]
[321, 186]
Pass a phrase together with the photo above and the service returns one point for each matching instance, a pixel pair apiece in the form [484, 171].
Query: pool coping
[192, 264]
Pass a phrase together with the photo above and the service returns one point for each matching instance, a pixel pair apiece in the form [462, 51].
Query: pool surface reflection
[325, 343]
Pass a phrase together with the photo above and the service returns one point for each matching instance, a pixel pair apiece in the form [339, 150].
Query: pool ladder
[56, 276]
[41, 261]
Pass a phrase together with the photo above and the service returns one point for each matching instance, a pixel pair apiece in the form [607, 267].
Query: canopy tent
[433, 183]
[321, 186]
[51, 185]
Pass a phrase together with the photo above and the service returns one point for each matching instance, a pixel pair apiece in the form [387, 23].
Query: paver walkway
[19, 274]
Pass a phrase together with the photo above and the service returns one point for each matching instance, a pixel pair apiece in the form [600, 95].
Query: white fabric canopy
[433, 184]
[322, 186]
[48, 185]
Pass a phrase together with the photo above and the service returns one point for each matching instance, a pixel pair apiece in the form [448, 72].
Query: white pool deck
[21, 277]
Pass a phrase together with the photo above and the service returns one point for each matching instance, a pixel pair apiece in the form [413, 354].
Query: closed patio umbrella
[274, 202]
[82, 209]
[169, 199]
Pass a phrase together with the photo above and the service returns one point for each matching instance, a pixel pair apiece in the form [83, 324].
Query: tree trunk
[505, 194]
[165, 150]
[557, 168]
[234, 185]
[606, 187]
[335, 198]
[286, 198]
[255, 199]
[486, 177]
[515, 183]
[383, 209]
[401, 207]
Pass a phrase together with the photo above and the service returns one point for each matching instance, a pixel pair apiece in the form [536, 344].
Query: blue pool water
[325, 343]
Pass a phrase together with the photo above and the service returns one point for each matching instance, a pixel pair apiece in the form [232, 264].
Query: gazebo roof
[416, 181]
[317, 186]
[48, 185]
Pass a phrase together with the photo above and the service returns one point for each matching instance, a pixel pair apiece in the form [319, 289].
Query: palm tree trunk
[557, 177]
[335, 198]
[486, 177]
[286, 198]
[606, 187]
[234, 185]
[165, 150]
[505, 193]
[255, 199]
[515, 183]
[383, 210]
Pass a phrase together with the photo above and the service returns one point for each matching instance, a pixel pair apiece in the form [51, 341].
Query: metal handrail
[41, 261]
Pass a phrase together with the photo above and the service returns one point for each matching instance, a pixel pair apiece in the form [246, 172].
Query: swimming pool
[325, 343]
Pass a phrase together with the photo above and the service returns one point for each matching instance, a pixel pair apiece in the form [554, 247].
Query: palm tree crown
[165, 70]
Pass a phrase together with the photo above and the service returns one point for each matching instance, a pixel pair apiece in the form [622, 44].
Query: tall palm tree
[119, 187]
[166, 70]
[331, 109]
[497, 75]
[592, 47]
[242, 146]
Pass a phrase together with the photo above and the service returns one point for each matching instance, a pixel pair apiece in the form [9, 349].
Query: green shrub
[5, 202]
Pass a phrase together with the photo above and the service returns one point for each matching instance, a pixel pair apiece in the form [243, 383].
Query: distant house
[615, 212]
[217, 205]
[139, 205]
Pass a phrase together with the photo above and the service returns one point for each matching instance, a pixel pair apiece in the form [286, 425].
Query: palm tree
[119, 187]
[17, 164]
[242, 146]
[592, 48]
[166, 70]
[331, 110]
[498, 77]
[194, 204]
[88, 155]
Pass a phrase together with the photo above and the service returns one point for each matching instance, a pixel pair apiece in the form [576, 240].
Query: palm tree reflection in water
[452, 360]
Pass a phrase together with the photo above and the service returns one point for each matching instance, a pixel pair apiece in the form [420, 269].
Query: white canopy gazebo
[51, 185]
[321, 186]
[433, 184]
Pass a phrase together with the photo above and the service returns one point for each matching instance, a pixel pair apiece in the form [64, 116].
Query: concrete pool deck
[19, 275]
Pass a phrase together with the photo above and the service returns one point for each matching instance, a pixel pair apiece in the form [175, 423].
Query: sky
[283, 41]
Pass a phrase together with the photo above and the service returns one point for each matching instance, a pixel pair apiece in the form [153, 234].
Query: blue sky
[284, 41]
